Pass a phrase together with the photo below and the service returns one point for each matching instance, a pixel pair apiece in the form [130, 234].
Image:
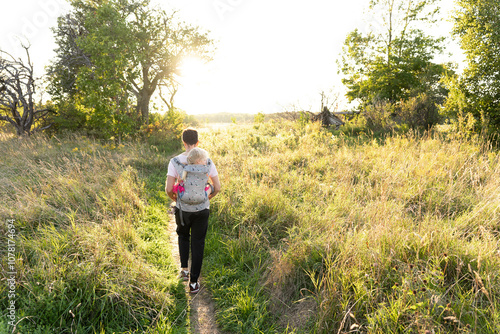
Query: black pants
[195, 227]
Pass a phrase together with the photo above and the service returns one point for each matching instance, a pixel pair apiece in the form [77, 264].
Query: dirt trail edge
[202, 310]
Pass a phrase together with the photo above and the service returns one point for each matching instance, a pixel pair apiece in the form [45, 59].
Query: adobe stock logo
[223, 7]
[30, 24]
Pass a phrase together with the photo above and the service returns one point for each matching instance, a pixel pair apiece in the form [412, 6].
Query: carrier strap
[179, 166]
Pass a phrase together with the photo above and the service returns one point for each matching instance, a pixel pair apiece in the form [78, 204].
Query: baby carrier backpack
[191, 191]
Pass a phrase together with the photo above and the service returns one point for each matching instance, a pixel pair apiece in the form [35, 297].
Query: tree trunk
[143, 105]
[21, 131]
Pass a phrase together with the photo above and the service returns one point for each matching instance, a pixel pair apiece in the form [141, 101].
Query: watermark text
[11, 274]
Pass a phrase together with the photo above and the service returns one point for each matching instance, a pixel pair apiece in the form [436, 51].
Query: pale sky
[270, 55]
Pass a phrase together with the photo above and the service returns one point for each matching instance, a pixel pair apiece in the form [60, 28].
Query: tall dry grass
[354, 234]
[92, 251]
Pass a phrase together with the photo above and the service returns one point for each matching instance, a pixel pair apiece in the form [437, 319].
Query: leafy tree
[394, 62]
[161, 43]
[90, 89]
[116, 53]
[477, 90]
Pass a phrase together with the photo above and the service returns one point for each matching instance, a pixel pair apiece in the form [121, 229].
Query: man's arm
[169, 186]
[216, 184]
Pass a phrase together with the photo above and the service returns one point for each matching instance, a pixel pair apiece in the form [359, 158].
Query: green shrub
[379, 116]
[420, 112]
[164, 131]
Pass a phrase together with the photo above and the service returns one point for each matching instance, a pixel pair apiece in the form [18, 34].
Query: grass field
[314, 231]
[318, 231]
[92, 251]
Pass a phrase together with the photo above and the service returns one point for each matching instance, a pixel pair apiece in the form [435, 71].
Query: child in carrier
[197, 156]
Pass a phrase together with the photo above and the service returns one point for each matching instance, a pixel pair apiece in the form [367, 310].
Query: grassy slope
[91, 244]
[315, 232]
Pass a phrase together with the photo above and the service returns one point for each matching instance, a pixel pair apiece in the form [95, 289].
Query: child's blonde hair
[197, 156]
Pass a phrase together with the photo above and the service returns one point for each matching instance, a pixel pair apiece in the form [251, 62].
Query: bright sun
[195, 76]
[192, 70]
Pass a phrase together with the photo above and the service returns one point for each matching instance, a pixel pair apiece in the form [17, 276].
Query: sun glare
[192, 69]
[195, 76]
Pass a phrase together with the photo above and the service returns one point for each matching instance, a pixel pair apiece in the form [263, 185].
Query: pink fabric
[178, 188]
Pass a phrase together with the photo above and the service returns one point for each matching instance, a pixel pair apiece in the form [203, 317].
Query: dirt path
[201, 305]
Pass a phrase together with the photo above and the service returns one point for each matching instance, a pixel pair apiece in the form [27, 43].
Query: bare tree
[17, 95]
[172, 88]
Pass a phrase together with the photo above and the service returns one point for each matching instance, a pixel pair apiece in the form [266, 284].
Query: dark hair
[190, 136]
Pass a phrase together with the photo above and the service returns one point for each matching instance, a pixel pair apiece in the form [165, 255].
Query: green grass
[315, 231]
[319, 231]
[92, 251]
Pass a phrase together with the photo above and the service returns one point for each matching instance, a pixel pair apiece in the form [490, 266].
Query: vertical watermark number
[11, 272]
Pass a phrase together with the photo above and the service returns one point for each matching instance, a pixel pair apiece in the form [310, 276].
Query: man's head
[190, 136]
